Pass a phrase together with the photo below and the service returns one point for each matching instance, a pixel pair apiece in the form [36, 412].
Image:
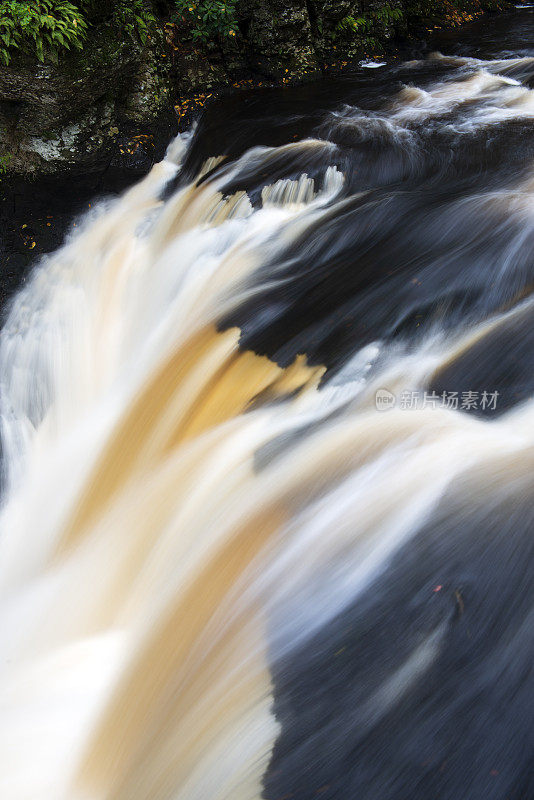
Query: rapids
[268, 456]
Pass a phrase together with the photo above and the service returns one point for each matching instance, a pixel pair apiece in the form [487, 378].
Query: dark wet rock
[279, 37]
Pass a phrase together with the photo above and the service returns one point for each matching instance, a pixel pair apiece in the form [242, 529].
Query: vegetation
[4, 162]
[45, 28]
[370, 26]
[380, 18]
[209, 19]
[135, 18]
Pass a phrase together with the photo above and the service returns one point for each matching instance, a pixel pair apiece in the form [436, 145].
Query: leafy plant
[135, 18]
[210, 19]
[44, 27]
[371, 21]
[4, 163]
[388, 15]
[354, 24]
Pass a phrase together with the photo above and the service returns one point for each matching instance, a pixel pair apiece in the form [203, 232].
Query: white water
[166, 533]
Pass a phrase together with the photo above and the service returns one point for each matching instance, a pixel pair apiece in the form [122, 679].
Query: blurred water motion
[268, 451]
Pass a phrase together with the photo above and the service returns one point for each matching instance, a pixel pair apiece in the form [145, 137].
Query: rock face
[114, 99]
[53, 117]
[278, 37]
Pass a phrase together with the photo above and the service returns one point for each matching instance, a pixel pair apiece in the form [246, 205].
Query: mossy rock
[56, 115]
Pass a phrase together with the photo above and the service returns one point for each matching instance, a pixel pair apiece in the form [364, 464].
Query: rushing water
[268, 446]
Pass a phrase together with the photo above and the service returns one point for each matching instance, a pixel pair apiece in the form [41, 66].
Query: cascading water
[268, 453]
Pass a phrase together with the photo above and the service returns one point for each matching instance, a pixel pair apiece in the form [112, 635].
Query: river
[268, 454]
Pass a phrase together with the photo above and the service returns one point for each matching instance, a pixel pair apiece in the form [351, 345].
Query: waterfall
[268, 436]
